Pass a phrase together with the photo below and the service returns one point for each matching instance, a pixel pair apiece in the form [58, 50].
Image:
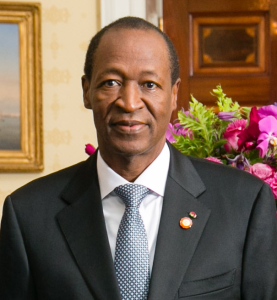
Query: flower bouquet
[242, 137]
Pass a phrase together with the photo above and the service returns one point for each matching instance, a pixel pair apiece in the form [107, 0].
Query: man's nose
[130, 97]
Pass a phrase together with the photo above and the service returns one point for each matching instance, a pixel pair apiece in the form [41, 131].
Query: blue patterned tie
[131, 251]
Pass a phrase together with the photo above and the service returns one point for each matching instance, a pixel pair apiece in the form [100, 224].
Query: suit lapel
[83, 226]
[175, 246]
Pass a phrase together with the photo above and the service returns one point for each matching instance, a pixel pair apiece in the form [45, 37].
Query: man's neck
[129, 167]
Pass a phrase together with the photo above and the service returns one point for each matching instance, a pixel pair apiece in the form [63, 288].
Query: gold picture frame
[28, 157]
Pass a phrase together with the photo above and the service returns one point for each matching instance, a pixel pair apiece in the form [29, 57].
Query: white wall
[67, 27]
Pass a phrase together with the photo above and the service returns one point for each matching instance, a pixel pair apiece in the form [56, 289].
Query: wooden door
[227, 42]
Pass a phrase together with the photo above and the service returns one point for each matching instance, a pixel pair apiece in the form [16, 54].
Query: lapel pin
[186, 223]
[193, 215]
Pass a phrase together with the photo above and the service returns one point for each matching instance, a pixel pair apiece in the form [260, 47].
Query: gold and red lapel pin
[186, 222]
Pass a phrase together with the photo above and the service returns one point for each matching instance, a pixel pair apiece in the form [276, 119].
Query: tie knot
[132, 194]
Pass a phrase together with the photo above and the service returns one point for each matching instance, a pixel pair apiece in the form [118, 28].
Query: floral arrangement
[242, 137]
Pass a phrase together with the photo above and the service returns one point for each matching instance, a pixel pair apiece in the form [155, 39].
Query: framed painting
[20, 88]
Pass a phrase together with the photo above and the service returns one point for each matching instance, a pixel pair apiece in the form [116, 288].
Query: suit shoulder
[225, 173]
[212, 171]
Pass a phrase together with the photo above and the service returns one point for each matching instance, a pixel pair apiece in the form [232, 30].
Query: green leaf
[206, 129]
[245, 112]
[224, 103]
[192, 147]
[252, 155]
[254, 161]
[201, 121]
[220, 143]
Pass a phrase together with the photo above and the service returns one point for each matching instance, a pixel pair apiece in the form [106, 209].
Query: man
[61, 234]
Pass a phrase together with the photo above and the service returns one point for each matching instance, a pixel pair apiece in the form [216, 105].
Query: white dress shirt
[154, 178]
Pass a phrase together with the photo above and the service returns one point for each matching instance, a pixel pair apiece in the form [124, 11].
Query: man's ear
[174, 95]
[85, 86]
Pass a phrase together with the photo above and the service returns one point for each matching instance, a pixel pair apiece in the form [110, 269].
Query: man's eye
[150, 85]
[111, 83]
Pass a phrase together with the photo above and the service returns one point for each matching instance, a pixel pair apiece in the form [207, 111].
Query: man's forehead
[131, 48]
[131, 35]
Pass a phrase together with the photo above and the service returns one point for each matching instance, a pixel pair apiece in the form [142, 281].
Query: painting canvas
[10, 137]
[21, 148]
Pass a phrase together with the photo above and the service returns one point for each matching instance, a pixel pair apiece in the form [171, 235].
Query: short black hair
[131, 23]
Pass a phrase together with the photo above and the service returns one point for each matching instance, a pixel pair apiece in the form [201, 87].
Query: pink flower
[169, 133]
[273, 184]
[231, 134]
[180, 130]
[89, 149]
[249, 145]
[176, 129]
[248, 137]
[268, 110]
[214, 159]
[187, 113]
[268, 134]
[262, 171]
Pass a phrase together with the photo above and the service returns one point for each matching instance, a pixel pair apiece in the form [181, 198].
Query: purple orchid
[178, 130]
[181, 130]
[187, 113]
[226, 115]
[169, 133]
[268, 134]
[269, 110]
[239, 161]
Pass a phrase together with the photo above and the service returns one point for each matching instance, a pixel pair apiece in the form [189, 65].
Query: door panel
[232, 43]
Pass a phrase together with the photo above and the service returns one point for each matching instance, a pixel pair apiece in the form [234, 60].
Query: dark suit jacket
[54, 244]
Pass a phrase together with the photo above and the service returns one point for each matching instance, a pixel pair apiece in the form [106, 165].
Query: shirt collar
[153, 177]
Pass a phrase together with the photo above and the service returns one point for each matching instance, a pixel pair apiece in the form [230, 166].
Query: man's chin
[130, 149]
[137, 148]
[126, 147]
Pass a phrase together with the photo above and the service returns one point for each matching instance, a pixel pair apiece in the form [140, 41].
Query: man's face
[130, 92]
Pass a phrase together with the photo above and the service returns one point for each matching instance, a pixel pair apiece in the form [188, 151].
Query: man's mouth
[129, 125]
